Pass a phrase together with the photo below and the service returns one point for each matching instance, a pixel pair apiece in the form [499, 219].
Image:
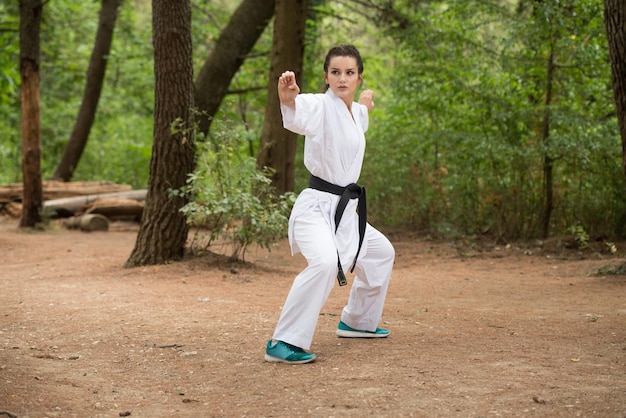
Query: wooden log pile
[88, 206]
[60, 189]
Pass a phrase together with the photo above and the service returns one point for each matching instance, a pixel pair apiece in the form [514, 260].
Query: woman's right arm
[308, 118]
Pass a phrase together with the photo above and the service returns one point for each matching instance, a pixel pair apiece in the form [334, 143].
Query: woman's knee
[386, 251]
[326, 262]
[391, 251]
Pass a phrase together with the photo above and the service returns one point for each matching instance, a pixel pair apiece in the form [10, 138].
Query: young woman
[328, 221]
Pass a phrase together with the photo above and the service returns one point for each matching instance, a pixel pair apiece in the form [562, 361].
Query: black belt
[351, 191]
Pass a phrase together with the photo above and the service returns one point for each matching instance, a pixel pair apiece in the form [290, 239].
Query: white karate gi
[333, 151]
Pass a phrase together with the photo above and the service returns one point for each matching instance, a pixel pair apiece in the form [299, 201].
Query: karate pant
[312, 286]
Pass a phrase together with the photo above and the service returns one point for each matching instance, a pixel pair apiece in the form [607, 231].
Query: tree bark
[277, 149]
[30, 23]
[163, 230]
[93, 87]
[615, 20]
[548, 161]
[235, 42]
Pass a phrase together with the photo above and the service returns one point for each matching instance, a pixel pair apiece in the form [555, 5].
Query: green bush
[231, 199]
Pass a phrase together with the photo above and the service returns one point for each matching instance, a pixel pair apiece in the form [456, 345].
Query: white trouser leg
[312, 286]
[369, 290]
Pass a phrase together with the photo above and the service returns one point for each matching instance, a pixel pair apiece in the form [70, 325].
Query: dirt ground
[476, 331]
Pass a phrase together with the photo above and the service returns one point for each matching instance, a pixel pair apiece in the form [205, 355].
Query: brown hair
[344, 51]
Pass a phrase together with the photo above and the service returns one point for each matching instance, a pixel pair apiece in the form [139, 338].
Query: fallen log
[117, 208]
[12, 209]
[89, 222]
[122, 205]
[71, 206]
[58, 189]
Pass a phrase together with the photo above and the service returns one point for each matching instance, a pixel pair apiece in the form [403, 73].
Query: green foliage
[456, 144]
[230, 198]
[120, 141]
[580, 235]
[10, 140]
[461, 139]
[119, 146]
[9, 51]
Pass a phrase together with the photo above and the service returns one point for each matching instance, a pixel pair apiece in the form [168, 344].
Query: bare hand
[288, 88]
[367, 99]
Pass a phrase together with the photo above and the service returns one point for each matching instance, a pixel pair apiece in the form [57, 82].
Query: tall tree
[234, 43]
[548, 161]
[277, 148]
[542, 45]
[30, 23]
[93, 88]
[615, 20]
[163, 231]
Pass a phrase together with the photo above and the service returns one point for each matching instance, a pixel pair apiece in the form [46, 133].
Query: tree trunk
[548, 167]
[277, 148]
[615, 19]
[30, 23]
[93, 87]
[163, 231]
[235, 42]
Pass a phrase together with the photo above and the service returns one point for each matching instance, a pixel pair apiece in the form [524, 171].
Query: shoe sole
[359, 334]
[272, 359]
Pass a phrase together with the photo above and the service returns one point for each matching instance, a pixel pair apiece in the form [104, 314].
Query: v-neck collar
[342, 105]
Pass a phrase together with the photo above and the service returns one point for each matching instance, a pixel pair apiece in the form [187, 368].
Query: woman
[324, 224]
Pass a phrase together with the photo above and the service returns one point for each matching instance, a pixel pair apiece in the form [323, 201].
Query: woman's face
[343, 77]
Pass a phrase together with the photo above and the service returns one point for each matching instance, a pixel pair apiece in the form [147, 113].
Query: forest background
[492, 117]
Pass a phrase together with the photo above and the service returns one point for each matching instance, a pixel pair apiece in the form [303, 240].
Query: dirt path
[498, 333]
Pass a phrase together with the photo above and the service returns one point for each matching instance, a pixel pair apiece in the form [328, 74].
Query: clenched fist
[288, 88]
[367, 99]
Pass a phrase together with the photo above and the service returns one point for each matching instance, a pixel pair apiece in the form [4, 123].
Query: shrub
[231, 199]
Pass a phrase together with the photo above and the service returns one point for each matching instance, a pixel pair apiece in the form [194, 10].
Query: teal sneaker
[281, 352]
[345, 331]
